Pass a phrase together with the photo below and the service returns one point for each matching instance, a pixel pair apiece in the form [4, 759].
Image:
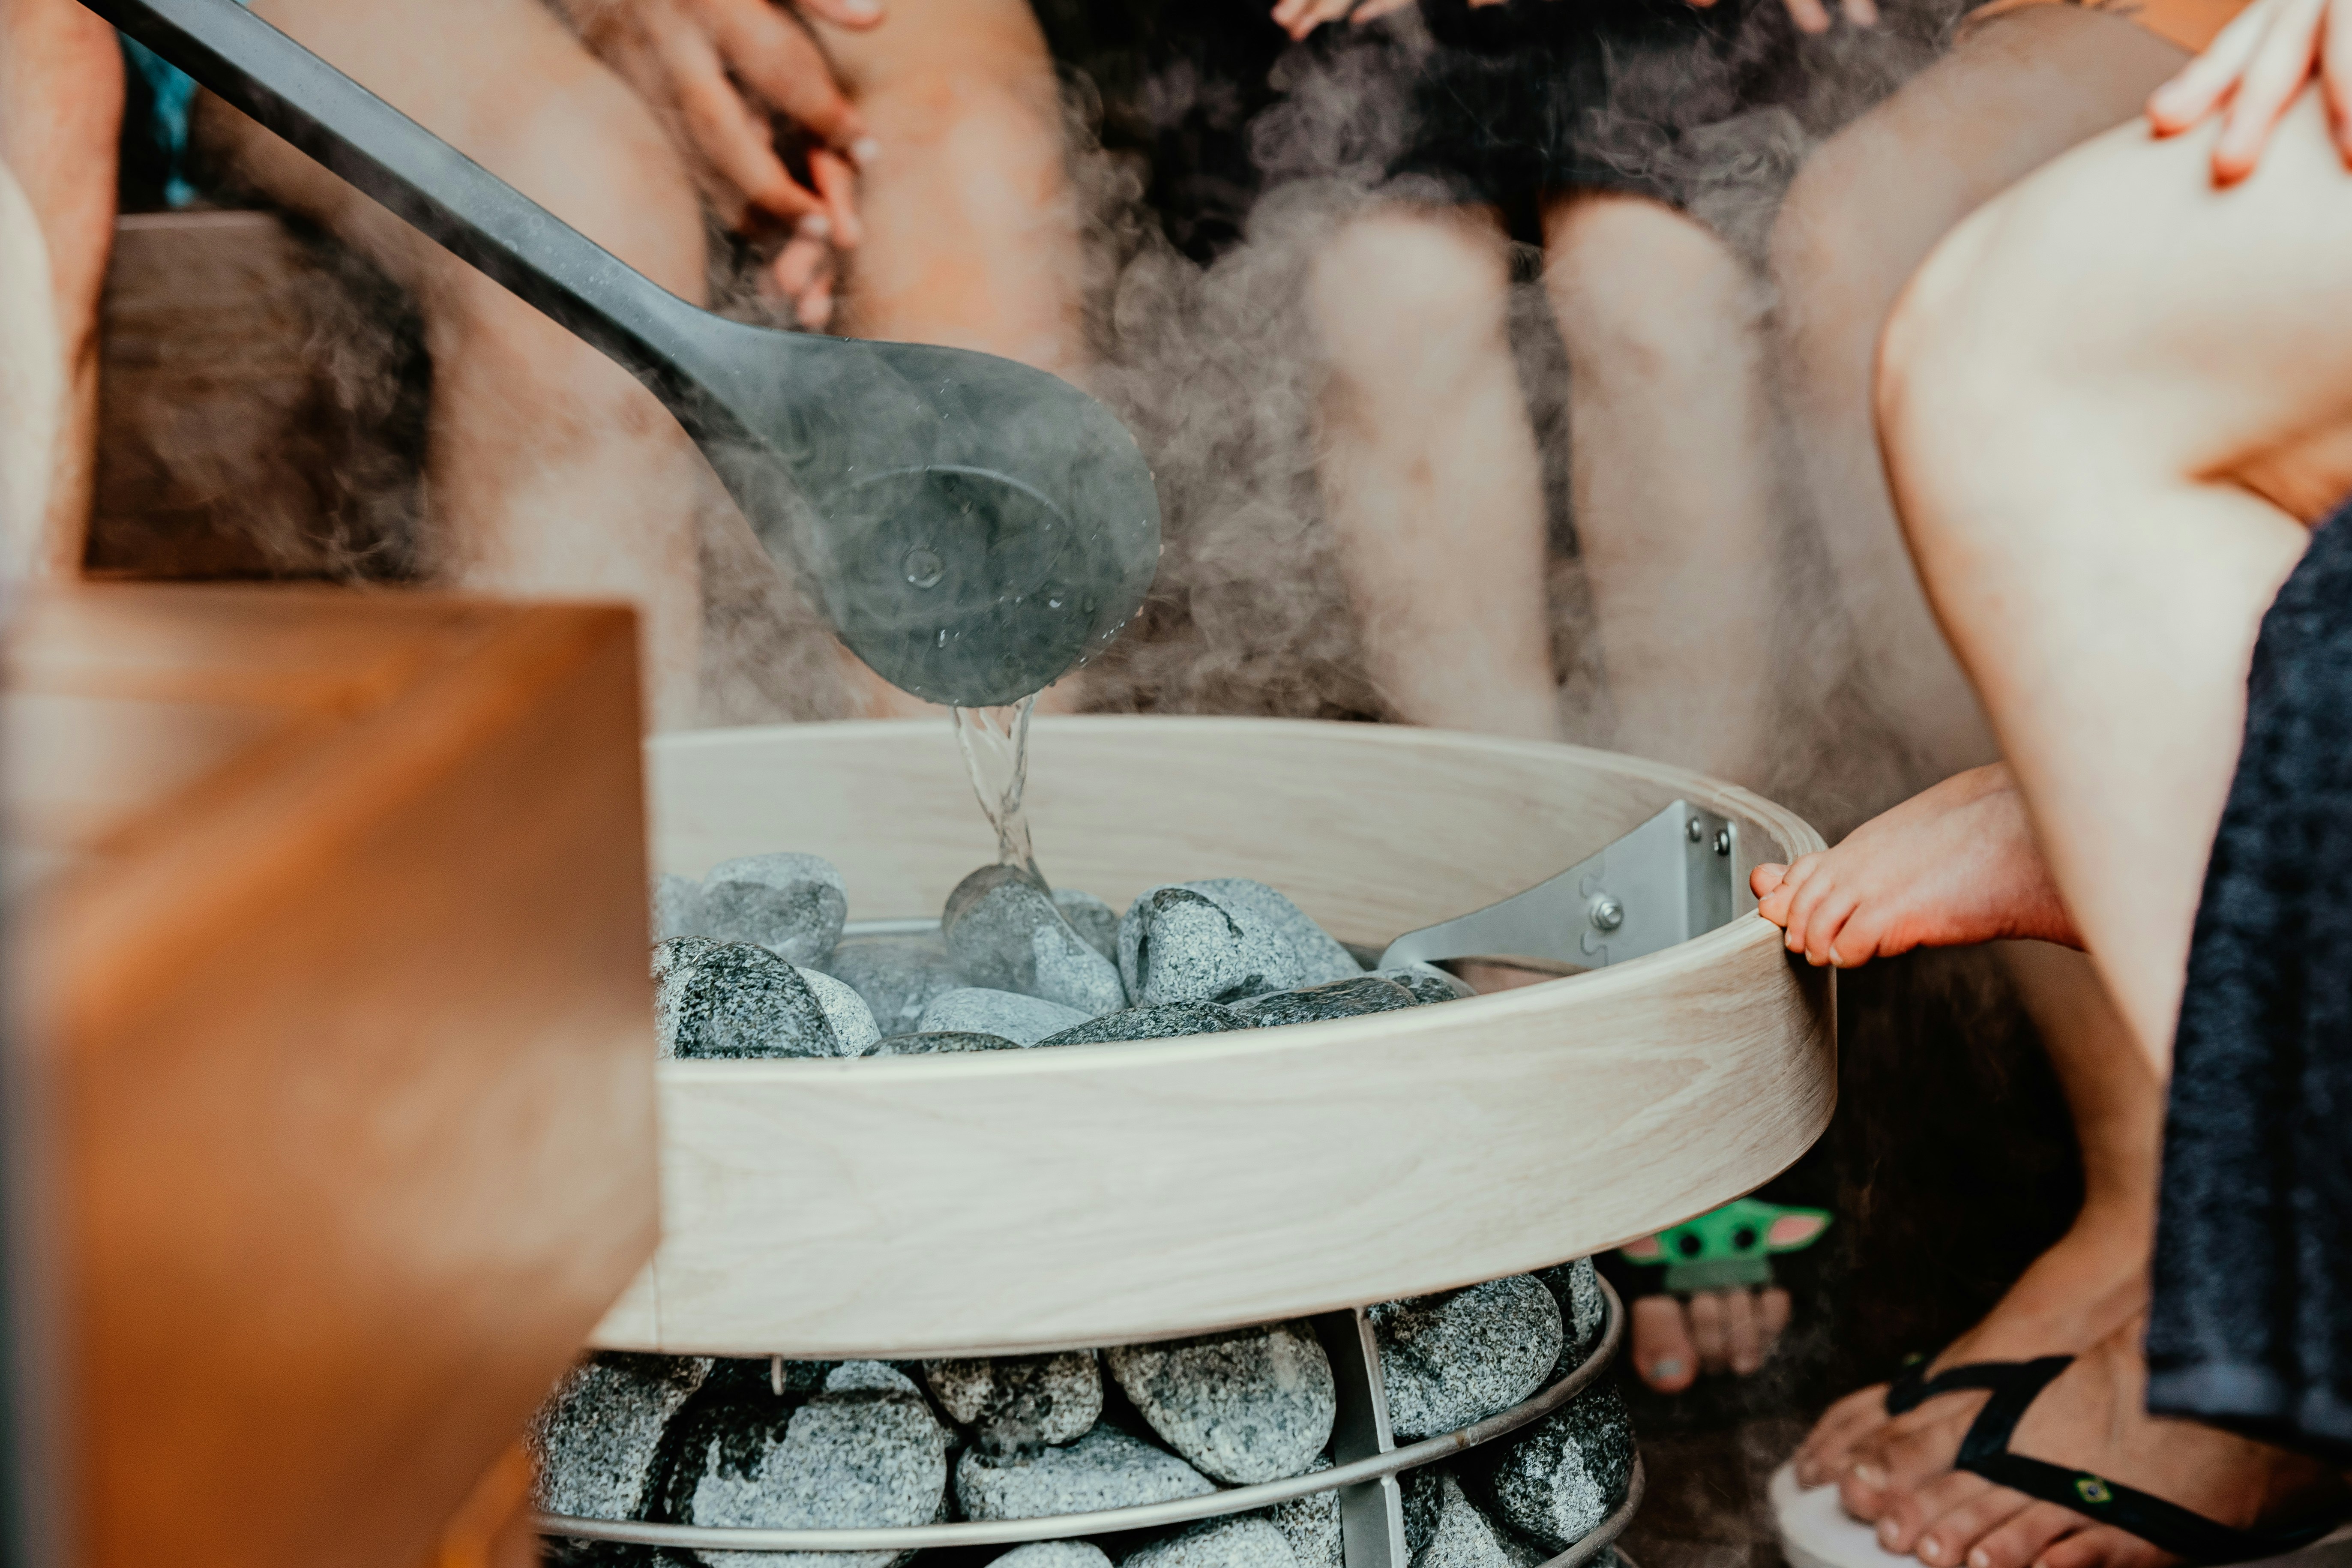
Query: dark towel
[2252, 1323]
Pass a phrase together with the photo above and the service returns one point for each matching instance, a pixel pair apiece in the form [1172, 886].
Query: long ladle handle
[469, 210]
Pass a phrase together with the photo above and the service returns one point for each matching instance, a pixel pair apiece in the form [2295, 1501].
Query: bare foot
[1953, 865]
[1713, 1331]
[2094, 1418]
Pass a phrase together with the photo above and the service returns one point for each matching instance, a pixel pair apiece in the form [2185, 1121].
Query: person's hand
[1812, 17]
[1300, 18]
[2257, 67]
[726, 72]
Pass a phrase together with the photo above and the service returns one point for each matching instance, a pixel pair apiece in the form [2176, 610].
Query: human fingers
[1743, 1336]
[2283, 62]
[837, 183]
[815, 310]
[724, 129]
[1300, 18]
[1827, 1447]
[1862, 12]
[774, 56]
[1811, 16]
[859, 14]
[1373, 10]
[1664, 1356]
[796, 267]
[1709, 1333]
[2200, 86]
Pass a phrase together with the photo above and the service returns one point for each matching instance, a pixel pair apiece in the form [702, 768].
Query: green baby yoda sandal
[1727, 1248]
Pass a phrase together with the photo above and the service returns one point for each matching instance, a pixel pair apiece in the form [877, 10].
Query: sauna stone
[1568, 1473]
[595, 1441]
[1333, 999]
[854, 1030]
[1244, 1540]
[1019, 1402]
[1092, 919]
[732, 999]
[1466, 1538]
[863, 1451]
[1164, 1021]
[792, 905]
[897, 976]
[1105, 1468]
[1024, 1020]
[678, 905]
[1426, 982]
[1454, 1358]
[1576, 1288]
[1254, 1404]
[1311, 1525]
[1318, 955]
[1007, 934]
[919, 1044]
[1053, 1554]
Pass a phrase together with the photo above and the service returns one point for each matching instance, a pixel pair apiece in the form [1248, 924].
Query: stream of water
[995, 743]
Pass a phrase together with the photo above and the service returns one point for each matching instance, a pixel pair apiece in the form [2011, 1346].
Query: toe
[1907, 1517]
[1710, 1330]
[1971, 1507]
[1663, 1352]
[1743, 1332]
[2100, 1546]
[1764, 881]
[1830, 1446]
[1771, 1315]
[2019, 1540]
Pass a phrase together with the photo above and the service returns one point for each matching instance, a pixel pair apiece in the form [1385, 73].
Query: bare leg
[1864, 211]
[60, 113]
[1674, 488]
[550, 472]
[1430, 472]
[972, 238]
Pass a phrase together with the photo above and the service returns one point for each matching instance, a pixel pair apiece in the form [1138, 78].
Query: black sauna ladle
[973, 528]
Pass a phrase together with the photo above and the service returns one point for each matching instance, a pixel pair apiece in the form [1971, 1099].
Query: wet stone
[1254, 1404]
[1576, 1289]
[863, 1451]
[854, 1031]
[1243, 1540]
[939, 1041]
[1334, 999]
[1568, 1473]
[731, 999]
[792, 905]
[1007, 935]
[1024, 1020]
[1053, 1554]
[1161, 1022]
[1320, 956]
[677, 906]
[1019, 1402]
[1105, 1468]
[1092, 919]
[1426, 982]
[1466, 1538]
[1311, 1525]
[898, 976]
[1460, 1356]
[595, 1442]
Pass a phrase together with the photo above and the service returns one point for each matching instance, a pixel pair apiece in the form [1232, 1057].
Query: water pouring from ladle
[973, 528]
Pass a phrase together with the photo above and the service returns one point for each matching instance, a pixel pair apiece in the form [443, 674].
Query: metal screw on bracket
[1722, 840]
[1695, 828]
[1607, 913]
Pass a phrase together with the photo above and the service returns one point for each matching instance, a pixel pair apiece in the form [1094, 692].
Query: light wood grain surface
[333, 1087]
[1021, 1201]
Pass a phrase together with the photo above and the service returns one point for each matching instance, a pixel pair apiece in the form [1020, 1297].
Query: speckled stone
[854, 1031]
[1311, 1525]
[1241, 1540]
[1007, 934]
[1091, 918]
[942, 1040]
[863, 1451]
[897, 976]
[1333, 999]
[595, 1441]
[1320, 956]
[1462, 1355]
[1465, 1537]
[1178, 945]
[1024, 1020]
[1019, 1402]
[1576, 1289]
[792, 905]
[1254, 1404]
[1422, 1499]
[1105, 1468]
[677, 906]
[732, 999]
[1164, 1021]
[1426, 982]
[1567, 1473]
[1053, 1554]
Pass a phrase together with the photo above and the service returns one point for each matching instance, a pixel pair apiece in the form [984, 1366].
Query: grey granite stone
[1567, 1473]
[1465, 1537]
[897, 976]
[1024, 1020]
[1091, 919]
[1311, 1525]
[1422, 1499]
[595, 1441]
[1177, 943]
[1462, 1355]
[792, 905]
[1007, 935]
[731, 999]
[1576, 1289]
[863, 1451]
[1105, 1468]
[854, 1031]
[1332, 999]
[1241, 1540]
[1252, 1404]
[677, 906]
[1320, 955]
[1426, 982]
[1019, 1402]
[1162, 1021]
[942, 1040]
[1053, 1554]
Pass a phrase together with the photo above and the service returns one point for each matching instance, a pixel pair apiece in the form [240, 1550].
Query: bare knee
[1403, 292]
[1643, 293]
